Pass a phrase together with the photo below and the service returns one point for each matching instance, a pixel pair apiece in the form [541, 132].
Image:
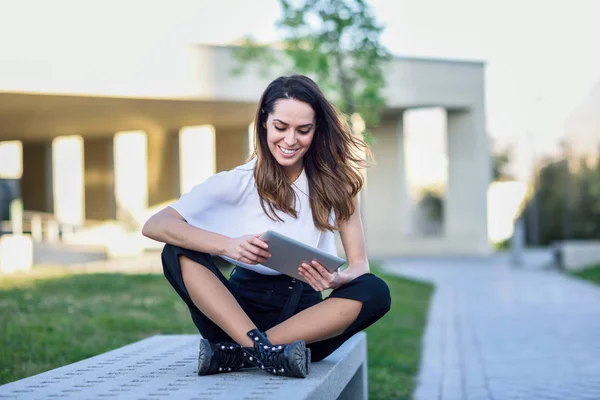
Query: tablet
[288, 254]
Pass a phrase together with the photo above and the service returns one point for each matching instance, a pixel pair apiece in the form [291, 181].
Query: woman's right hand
[248, 249]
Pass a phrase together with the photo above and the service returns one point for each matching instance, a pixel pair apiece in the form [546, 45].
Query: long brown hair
[331, 163]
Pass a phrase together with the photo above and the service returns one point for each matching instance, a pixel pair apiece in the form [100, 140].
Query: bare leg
[322, 321]
[215, 301]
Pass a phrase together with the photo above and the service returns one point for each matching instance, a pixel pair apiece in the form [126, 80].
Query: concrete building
[106, 136]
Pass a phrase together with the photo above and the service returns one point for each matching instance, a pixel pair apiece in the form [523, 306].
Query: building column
[99, 178]
[232, 147]
[469, 175]
[163, 166]
[131, 176]
[36, 182]
[68, 180]
[405, 201]
[197, 155]
[387, 204]
[11, 172]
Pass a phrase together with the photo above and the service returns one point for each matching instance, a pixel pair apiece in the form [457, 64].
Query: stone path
[496, 332]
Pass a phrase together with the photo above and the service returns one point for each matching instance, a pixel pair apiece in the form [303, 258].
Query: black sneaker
[308, 355]
[286, 359]
[220, 357]
[307, 361]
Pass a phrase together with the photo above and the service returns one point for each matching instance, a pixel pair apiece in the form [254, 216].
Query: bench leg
[357, 388]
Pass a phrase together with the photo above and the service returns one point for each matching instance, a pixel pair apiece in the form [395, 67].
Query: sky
[541, 55]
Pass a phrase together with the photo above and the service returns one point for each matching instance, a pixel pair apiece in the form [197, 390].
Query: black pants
[270, 300]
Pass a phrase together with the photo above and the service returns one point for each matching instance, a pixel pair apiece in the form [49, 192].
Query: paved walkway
[500, 333]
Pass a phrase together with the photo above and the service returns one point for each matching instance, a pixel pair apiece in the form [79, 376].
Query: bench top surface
[165, 366]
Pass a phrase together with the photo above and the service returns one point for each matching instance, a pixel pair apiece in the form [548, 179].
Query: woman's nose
[290, 138]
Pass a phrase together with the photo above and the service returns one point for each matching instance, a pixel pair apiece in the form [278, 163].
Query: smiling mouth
[288, 152]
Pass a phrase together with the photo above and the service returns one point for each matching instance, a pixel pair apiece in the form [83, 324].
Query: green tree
[584, 204]
[567, 203]
[432, 203]
[335, 41]
[501, 160]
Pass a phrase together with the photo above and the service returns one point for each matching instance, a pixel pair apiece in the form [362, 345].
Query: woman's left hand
[320, 279]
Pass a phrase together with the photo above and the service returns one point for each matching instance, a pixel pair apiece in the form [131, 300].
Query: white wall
[203, 72]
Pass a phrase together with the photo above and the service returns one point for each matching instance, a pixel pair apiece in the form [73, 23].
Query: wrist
[355, 271]
[358, 268]
[223, 244]
[210, 242]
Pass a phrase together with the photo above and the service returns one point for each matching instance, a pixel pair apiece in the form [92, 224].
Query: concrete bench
[575, 255]
[165, 367]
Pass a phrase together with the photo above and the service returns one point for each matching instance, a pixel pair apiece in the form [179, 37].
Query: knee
[169, 255]
[169, 258]
[176, 262]
[174, 257]
[379, 300]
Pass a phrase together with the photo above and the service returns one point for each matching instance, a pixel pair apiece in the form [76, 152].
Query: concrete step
[65, 254]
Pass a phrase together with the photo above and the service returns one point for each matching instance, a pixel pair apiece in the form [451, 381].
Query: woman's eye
[302, 132]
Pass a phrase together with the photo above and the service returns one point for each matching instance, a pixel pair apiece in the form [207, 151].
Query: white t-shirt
[228, 203]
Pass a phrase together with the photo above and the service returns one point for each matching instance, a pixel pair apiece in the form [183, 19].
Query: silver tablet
[288, 254]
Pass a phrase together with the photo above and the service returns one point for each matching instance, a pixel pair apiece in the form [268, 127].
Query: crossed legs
[322, 321]
[220, 318]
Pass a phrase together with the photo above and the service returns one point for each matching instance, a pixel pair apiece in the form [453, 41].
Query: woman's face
[290, 131]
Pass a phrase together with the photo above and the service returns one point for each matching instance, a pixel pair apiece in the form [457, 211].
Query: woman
[302, 181]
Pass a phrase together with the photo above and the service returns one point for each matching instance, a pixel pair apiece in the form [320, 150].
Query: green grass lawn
[394, 343]
[50, 320]
[590, 274]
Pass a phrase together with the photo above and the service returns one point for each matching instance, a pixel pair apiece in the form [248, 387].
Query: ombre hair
[332, 163]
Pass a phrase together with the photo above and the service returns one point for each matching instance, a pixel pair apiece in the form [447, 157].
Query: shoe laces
[228, 356]
[271, 357]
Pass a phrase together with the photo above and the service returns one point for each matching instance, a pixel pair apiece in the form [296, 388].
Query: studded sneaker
[215, 358]
[308, 360]
[286, 359]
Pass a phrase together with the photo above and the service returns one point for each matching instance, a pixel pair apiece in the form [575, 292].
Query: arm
[353, 239]
[168, 226]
